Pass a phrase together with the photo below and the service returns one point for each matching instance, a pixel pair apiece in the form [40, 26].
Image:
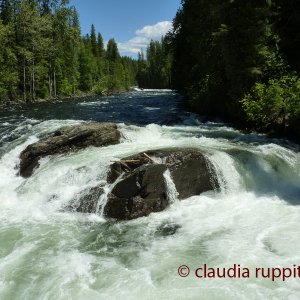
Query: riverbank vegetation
[44, 56]
[240, 60]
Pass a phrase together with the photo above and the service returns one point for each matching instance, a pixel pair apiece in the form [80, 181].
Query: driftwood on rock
[127, 165]
[142, 187]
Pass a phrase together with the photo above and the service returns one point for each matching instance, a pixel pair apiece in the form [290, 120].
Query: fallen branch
[141, 161]
[128, 161]
[125, 165]
[148, 157]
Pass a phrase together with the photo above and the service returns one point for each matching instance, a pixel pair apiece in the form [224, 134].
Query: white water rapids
[48, 252]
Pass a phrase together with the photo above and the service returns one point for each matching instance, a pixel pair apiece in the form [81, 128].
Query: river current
[48, 252]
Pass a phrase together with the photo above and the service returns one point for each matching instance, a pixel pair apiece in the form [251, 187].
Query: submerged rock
[142, 188]
[67, 140]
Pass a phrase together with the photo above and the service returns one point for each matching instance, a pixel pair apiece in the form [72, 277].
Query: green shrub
[275, 104]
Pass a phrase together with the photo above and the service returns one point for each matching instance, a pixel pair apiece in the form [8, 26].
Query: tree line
[155, 70]
[240, 60]
[43, 54]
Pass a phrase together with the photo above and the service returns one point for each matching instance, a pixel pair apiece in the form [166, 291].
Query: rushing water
[47, 252]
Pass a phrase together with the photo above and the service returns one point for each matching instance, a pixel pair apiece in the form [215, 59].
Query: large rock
[191, 171]
[143, 188]
[140, 192]
[67, 140]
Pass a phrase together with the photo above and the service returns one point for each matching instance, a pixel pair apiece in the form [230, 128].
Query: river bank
[20, 102]
[247, 127]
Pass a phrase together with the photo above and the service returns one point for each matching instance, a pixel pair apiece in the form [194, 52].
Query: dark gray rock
[140, 192]
[191, 172]
[143, 189]
[132, 163]
[89, 202]
[68, 140]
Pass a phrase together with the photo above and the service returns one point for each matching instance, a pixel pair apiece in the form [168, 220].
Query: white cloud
[155, 31]
[143, 37]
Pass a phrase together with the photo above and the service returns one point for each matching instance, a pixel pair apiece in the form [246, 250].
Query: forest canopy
[240, 60]
[43, 54]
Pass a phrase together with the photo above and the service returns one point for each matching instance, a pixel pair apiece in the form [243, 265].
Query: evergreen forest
[44, 56]
[240, 60]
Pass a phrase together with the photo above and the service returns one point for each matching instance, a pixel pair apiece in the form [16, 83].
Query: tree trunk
[50, 81]
[50, 86]
[24, 80]
[74, 90]
[33, 77]
[54, 82]
[285, 118]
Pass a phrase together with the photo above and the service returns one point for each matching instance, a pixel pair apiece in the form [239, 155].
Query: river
[48, 252]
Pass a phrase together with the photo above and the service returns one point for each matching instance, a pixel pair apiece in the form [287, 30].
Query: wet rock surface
[88, 203]
[139, 186]
[190, 170]
[68, 140]
[138, 194]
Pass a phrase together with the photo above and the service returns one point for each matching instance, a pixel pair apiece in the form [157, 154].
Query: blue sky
[131, 22]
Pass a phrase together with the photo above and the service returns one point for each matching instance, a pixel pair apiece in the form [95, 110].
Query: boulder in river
[138, 194]
[139, 185]
[67, 140]
[190, 170]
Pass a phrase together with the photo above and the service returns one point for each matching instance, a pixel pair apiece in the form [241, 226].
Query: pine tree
[112, 53]
[94, 41]
[8, 63]
[100, 46]
[44, 56]
[34, 42]
[155, 71]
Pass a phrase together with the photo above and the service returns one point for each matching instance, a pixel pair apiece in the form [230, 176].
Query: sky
[132, 23]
